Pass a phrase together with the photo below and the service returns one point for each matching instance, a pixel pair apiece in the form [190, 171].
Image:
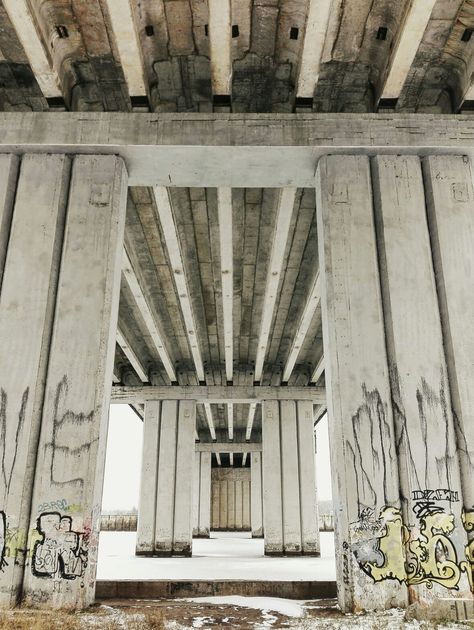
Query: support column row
[202, 495]
[165, 509]
[290, 514]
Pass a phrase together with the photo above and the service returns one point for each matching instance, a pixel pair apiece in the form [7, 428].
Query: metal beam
[286, 203]
[242, 150]
[220, 45]
[309, 310]
[145, 311]
[407, 46]
[25, 28]
[170, 233]
[133, 358]
[225, 447]
[314, 38]
[216, 394]
[121, 17]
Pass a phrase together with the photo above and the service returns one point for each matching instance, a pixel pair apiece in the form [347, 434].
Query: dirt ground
[182, 614]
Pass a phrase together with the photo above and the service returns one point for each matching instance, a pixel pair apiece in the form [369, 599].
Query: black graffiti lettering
[441, 494]
[3, 539]
[426, 508]
[62, 552]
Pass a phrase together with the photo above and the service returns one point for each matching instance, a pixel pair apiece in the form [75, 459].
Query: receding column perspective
[165, 515]
[290, 514]
[256, 495]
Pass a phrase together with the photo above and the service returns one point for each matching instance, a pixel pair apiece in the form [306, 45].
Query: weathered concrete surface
[364, 469]
[165, 525]
[27, 300]
[202, 495]
[290, 520]
[256, 497]
[430, 485]
[247, 150]
[65, 510]
[230, 492]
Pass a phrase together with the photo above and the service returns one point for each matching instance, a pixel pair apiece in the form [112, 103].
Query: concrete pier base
[165, 509]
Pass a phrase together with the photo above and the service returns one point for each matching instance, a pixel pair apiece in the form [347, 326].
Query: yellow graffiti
[386, 549]
[389, 544]
[468, 566]
[432, 556]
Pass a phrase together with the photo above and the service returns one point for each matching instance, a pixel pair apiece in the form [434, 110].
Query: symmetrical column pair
[166, 493]
[290, 510]
[61, 235]
[397, 261]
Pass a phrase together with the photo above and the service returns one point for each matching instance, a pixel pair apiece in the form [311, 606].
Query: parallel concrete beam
[286, 203]
[216, 394]
[311, 305]
[318, 370]
[220, 45]
[224, 207]
[314, 38]
[131, 355]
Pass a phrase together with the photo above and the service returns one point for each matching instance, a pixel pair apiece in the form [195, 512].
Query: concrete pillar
[231, 499]
[202, 495]
[364, 468]
[27, 299]
[67, 490]
[450, 205]
[430, 484]
[290, 520]
[166, 495]
[256, 510]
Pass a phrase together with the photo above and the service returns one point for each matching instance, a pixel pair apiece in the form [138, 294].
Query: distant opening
[303, 103]
[62, 31]
[294, 32]
[206, 30]
[140, 102]
[466, 36]
[382, 33]
[235, 30]
[221, 100]
[387, 103]
[56, 102]
[149, 30]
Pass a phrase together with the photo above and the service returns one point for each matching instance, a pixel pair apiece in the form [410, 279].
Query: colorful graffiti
[61, 552]
[386, 549]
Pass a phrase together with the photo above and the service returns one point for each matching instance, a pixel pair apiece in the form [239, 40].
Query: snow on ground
[225, 556]
[288, 607]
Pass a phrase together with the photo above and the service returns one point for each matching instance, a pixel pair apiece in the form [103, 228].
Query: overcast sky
[124, 453]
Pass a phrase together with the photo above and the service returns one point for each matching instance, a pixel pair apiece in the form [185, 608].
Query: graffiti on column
[385, 548]
[61, 552]
[3, 539]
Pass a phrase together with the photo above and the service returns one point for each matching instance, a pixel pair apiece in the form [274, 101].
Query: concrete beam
[216, 394]
[220, 45]
[25, 28]
[165, 214]
[224, 207]
[131, 355]
[409, 41]
[121, 17]
[210, 421]
[286, 204]
[311, 305]
[226, 447]
[314, 38]
[251, 418]
[318, 370]
[250, 150]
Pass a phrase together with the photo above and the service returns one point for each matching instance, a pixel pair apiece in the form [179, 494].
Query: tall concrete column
[32, 246]
[450, 204]
[70, 446]
[202, 495]
[290, 520]
[364, 467]
[166, 494]
[430, 484]
[256, 499]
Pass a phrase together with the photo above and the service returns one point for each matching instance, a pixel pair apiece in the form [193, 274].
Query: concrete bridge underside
[207, 308]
